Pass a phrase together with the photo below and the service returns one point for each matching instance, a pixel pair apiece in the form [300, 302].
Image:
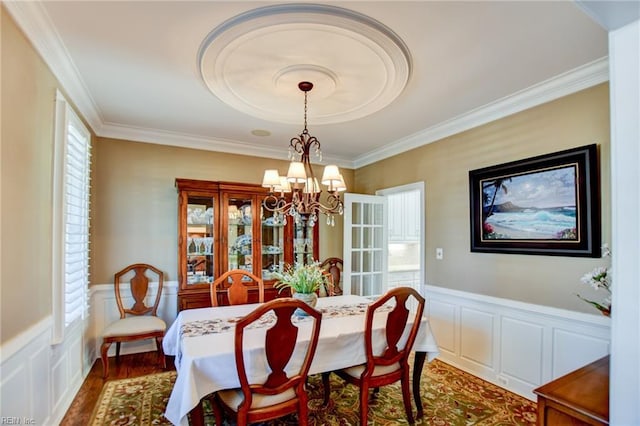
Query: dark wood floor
[81, 408]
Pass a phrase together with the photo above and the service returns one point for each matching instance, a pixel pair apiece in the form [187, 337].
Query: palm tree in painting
[490, 189]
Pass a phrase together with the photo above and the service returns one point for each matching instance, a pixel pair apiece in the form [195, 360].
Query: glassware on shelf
[199, 245]
[208, 245]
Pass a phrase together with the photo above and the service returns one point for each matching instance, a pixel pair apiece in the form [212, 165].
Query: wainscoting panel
[476, 337]
[38, 380]
[515, 345]
[584, 347]
[106, 311]
[39, 361]
[443, 318]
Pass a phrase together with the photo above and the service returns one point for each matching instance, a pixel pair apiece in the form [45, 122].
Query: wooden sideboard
[578, 398]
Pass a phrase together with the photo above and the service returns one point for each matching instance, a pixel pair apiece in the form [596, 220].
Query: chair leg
[364, 404]
[105, 359]
[163, 361]
[303, 411]
[406, 397]
[197, 415]
[217, 410]
[326, 384]
[117, 351]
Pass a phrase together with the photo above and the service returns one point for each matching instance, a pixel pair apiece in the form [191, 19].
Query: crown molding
[182, 140]
[556, 87]
[34, 21]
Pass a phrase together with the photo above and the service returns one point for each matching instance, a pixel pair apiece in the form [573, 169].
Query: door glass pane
[378, 216]
[200, 238]
[366, 285]
[272, 237]
[239, 234]
[367, 240]
[378, 232]
[356, 287]
[356, 239]
[367, 213]
[366, 260]
[356, 217]
[355, 261]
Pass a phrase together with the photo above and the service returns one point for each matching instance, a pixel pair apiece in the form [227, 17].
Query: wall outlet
[439, 254]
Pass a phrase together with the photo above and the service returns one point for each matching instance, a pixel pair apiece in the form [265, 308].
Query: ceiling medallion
[254, 61]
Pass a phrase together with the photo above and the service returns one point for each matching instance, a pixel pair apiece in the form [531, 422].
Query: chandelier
[298, 193]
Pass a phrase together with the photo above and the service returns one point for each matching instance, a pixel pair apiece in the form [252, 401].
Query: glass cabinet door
[200, 254]
[272, 237]
[303, 242]
[239, 233]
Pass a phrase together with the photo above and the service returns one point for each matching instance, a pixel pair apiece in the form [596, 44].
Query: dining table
[202, 341]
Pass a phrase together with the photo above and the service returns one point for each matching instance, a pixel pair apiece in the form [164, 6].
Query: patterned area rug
[450, 397]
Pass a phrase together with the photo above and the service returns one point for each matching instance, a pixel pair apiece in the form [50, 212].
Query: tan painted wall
[27, 96]
[135, 202]
[576, 120]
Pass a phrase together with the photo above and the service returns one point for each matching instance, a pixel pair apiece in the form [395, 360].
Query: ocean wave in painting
[541, 224]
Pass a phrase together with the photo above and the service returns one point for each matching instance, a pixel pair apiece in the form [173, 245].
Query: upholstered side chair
[140, 321]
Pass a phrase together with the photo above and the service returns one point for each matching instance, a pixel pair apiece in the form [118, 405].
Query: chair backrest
[333, 265]
[397, 319]
[139, 285]
[280, 342]
[238, 292]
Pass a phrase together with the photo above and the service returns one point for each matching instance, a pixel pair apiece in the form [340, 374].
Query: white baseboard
[515, 345]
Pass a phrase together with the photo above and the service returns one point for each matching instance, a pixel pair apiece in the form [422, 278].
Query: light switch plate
[439, 254]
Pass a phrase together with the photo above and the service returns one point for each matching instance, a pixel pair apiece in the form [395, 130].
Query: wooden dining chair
[333, 266]
[139, 322]
[391, 363]
[238, 291]
[283, 392]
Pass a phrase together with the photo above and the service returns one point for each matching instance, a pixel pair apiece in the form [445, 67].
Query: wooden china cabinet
[223, 226]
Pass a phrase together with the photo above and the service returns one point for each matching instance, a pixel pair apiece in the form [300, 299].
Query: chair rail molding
[515, 345]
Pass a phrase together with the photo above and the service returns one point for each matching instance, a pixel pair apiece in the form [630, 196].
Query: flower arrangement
[600, 279]
[301, 278]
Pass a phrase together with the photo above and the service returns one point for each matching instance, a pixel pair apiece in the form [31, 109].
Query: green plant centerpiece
[303, 281]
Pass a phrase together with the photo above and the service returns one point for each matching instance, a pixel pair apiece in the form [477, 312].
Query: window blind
[70, 239]
[76, 217]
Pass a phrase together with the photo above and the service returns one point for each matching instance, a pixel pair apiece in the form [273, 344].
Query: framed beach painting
[545, 205]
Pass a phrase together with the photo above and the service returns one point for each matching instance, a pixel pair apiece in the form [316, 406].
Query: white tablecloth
[206, 362]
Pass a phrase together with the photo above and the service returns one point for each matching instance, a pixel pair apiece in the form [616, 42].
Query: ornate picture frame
[544, 205]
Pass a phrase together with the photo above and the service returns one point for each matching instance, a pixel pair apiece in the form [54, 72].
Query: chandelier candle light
[301, 182]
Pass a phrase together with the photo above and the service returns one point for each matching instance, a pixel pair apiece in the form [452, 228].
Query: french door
[365, 244]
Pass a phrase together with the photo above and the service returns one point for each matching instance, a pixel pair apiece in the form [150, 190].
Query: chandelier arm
[305, 197]
[274, 203]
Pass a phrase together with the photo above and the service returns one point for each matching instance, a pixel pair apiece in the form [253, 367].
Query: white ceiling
[132, 69]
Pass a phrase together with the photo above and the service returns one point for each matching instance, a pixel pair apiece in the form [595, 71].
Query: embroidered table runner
[222, 325]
